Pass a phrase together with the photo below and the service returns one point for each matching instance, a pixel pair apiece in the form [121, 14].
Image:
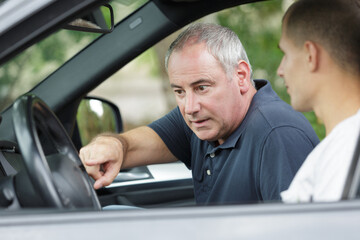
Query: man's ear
[312, 55]
[243, 76]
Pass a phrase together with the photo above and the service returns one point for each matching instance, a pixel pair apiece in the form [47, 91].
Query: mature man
[242, 143]
[321, 67]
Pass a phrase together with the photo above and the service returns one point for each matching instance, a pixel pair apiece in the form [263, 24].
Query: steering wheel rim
[64, 183]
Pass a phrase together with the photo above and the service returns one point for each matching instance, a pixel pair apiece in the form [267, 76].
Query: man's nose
[192, 104]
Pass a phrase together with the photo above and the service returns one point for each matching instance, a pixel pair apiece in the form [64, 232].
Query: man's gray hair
[221, 42]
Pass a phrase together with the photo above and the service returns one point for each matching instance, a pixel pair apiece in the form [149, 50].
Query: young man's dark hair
[335, 24]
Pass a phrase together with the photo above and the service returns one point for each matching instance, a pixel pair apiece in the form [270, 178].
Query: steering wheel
[51, 160]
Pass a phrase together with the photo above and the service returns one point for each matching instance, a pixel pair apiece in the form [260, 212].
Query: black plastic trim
[41, 24]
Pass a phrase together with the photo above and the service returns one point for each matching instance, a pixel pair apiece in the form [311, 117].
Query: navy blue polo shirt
[257, 161]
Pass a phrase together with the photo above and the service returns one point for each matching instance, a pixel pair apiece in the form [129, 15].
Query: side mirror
[95, 116]
[95, 22]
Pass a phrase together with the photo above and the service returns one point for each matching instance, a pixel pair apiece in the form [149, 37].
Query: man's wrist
[119, 138]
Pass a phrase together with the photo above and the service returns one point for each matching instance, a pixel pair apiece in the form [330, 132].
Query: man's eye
[178, 91]
[202, 88]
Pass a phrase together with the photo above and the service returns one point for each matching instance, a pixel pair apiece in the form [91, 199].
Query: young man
[321, 68]
[242, 143]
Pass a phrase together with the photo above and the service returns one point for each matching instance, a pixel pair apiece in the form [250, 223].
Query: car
[51, 113]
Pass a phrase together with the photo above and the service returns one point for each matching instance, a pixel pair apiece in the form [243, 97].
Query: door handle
[130, 176]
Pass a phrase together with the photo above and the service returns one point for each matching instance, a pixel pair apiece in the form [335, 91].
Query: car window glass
[142, 91]
[23, 72]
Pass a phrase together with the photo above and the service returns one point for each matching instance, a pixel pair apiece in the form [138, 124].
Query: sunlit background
[141, 89]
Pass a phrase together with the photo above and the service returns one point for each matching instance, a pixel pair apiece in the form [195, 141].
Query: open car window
[26, 70]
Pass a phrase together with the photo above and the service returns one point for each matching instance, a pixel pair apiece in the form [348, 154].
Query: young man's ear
[312, 55]
[243, 76]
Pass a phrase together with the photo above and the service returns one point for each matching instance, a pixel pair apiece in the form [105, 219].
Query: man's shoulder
[278, 113]
[278, 117]
[271, 107]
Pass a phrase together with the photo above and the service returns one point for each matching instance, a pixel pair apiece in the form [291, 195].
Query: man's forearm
[142, 146]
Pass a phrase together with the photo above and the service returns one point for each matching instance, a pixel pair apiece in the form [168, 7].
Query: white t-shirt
[322, 176]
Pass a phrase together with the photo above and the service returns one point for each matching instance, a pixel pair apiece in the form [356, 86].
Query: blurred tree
[160, 51]
[30, 67]
[9, 76]
[258, 25]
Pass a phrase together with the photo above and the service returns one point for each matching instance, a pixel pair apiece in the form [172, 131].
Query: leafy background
[258, 26]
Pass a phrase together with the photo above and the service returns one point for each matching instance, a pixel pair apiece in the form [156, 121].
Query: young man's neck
[342, 100]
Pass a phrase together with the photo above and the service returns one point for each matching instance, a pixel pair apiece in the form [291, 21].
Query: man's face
[209, 101]
[293, 70]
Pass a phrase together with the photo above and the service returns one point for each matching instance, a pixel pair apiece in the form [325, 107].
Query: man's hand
[102, 159]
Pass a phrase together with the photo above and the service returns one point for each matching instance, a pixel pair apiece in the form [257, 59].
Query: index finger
[108, 177]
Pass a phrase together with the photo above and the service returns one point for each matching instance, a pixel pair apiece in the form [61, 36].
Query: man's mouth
[198, 123]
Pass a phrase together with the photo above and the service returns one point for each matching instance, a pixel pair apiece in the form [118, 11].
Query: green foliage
[33, 65]
[316, 124]
[258, 26]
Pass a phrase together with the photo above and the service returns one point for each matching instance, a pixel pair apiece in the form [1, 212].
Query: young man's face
[293, 70]
[212, 104]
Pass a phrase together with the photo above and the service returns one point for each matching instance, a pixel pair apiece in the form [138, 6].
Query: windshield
[23, 72]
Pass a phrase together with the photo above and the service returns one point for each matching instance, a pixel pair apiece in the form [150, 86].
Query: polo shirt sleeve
[176, 135]
[283, 152]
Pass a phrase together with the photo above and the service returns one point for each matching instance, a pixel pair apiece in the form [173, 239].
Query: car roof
[25, 22]
[13, 12]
